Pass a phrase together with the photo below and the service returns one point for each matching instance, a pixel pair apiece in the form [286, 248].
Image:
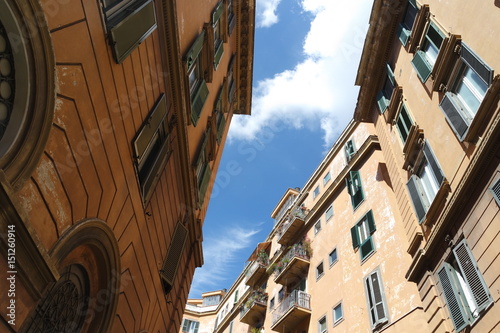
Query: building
[396, 230]
[113, 118]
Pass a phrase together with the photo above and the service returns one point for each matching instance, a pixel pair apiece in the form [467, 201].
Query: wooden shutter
[454, 116]
[355, 236]
[495, 191]
[382, 102]
[451, 295]
[217, 12]
[207, 173]
[477, 64]
[196, 326]
[416, 198]
[195, 50]
[349, 150]
[371, 222]
[366, 248]
[472, 276]
[434, 164]
[403, 34]
[421, 65]
[185, 325]
[357, 189]
[127, 33]
[198, 101]
[377, 309]
[390, 74]
[171, 262]
[218, 54]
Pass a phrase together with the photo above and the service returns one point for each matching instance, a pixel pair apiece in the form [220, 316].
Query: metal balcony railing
[257, 296]
[297, 213]
[296, 251]
[296, 298]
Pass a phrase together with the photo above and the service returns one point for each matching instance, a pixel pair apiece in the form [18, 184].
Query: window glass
[332, 257]
[429, 182]
[337, 313]
[471, 91]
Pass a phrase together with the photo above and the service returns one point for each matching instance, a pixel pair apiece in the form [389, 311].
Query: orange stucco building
[396, 230]
[113, 118]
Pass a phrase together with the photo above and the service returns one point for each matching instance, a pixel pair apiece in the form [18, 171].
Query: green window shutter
[195, 50]
[207, 173]
[416, 198]
[495, 191]
[201, 151]
[198, 101]
[221, 127]
[355, 236]
[452, 111]
[477, 64]
[421, 65]
[196, 326]
[127, 33]
[185, 325]
[371, 222]
[451, 295]
[390, 74]
[171, 262]
[348, 184]
[218, 54]
[366, 248]
[217, 12]
[474, 278]
[433, 162]
[382, 102]
[356, 188]
[403, 34]
[349, 150]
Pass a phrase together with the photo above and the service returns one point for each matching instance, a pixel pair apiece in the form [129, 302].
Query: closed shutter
[198, 101]
[451, 295]
[454, 116]
[218, 54]
[371, 222]
[377, 309]
[169, 269]
[421, 65]
[195, 50]
[474, 278]
[416, 198]
[355, 236]
[217, 12]
[207, 173]
[431, 159]
[220, 128]
[127, 33]
[366, 248]
[478, 65]
[495, 191]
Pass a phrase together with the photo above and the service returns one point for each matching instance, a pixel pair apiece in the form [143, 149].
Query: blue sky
[306, 57]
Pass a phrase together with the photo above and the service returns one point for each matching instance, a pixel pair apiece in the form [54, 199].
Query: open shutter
[477, 64]
[495, 191]
[403, 34]
[217, 12]
[474, 278]
[431, 159]
[451, 295]
[416, 198]
[195, 50]
[378, 313]
[355, 236]
[198, 101]
[169, 268]
[196, 326]
[371, 222]
[127, 33]
[348, 184]
[455, 118]
[185, 325]
[390, 74]
[421, 65]
[382, 101]
[207, 173]
[218, 54]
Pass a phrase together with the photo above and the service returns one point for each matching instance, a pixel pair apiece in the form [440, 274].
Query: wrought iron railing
[255, 266]
[257, 296]
[296, 298]
[296, 213]
[296, 250]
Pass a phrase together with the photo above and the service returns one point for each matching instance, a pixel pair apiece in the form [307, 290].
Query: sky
[306, 57]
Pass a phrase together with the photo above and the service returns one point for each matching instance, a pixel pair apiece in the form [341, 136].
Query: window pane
[337, 313]
[431, 52]
[429, 183]
[333, 256]
[471, 91]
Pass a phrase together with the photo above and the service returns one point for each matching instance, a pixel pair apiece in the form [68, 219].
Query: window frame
[404, 30]
[330, 261]
[349, 149]
[329, 216]
[406, 126]
[360, 240]
[320, 270]
[337, 321]
[423, 64]
[327, 178]
[190, 326]
[218, 32]
[384, 96]
[316, 192]
[373, 300]
[320, 324]
[317, 227]
[355, 189]
[203, 171]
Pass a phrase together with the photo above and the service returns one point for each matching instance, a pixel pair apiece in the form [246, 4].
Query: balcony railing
[256, 270]
[297, 251]
[254, 306]
[298, 302]
[294, 221]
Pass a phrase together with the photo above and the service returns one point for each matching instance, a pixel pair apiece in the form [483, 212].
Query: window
[329, 213]
[203, 170]
[354, 188]
[220, 119]
[316, 192]
[472, 78]
[319, 271]
[317, 227]
[338, 314]
[404, 123]
[217, 27]
[464, 289]
[333, 257]
[235, 296]
[211, 300]
[426, 57]
[349, 150]
[377, 307]
[406, 25]
[230, 80]
[327, 178]
[128, 23]
[231, 326]
[271, 304]
[384, 95]
[151, 148]
[361, 235]
[281, 294]
[231, 21]
[190, 326]
[424, 184]
[171, 261]
[197, 86]
[495, 191]
[322, 327]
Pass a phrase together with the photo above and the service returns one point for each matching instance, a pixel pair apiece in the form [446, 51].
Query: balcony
[289, 313]
[291, 226]
[293, 265]
[257, 269]
[254, 309]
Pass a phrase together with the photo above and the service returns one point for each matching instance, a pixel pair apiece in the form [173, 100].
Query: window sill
[333, 263]
[338, 322]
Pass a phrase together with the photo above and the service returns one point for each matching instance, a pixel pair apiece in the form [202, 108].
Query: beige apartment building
[397, 229]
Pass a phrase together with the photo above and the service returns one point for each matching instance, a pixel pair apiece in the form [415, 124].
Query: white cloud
[221, 253]
[266, 13]
[319, 92]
